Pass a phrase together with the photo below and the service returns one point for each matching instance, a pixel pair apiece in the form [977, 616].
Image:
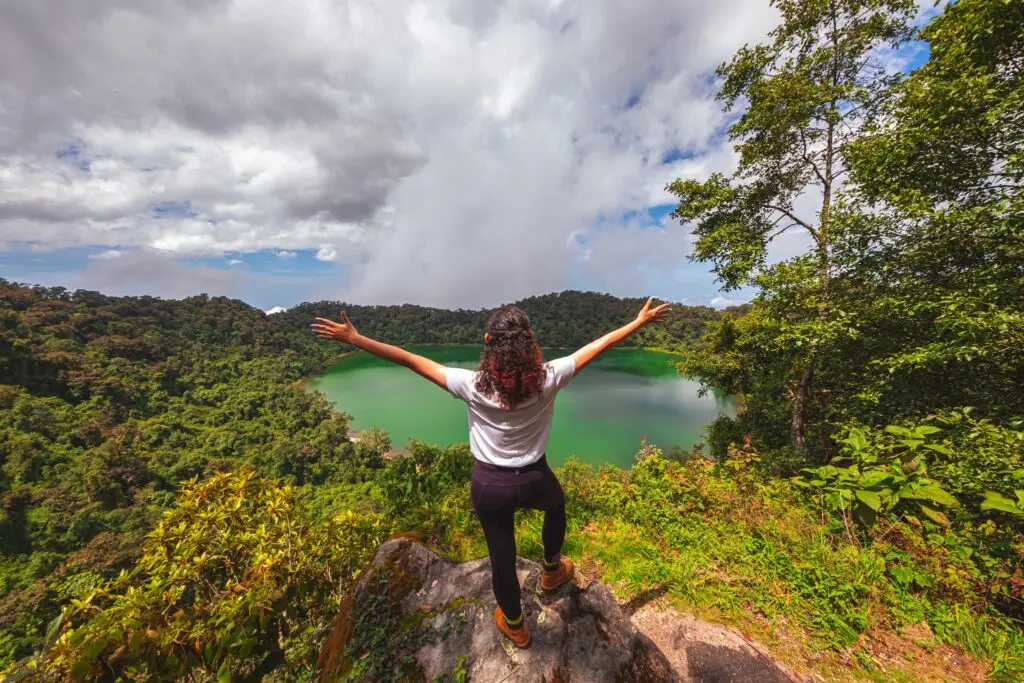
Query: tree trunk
[800, 396]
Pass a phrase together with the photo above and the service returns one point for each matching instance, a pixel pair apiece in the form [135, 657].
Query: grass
[751, 554]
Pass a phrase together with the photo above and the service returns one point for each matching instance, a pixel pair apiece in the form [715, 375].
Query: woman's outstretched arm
[345, 331]
[645, 317]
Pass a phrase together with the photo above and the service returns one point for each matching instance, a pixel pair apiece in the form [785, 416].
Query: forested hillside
[109, 404]
[565, 319]
[863, 516]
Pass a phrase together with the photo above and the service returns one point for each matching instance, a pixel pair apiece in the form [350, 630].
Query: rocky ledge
[414, 615]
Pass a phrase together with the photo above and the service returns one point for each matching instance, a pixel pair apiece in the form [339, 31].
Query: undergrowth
[750, 551]
[725, 542]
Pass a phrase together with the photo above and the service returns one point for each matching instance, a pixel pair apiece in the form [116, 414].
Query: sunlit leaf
[869, 498]
[935, 515]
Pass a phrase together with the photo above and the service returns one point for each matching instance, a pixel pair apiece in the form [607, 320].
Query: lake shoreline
[337, 359]
[631, 393]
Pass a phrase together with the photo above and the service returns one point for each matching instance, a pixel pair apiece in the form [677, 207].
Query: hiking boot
[558, 577]
[519, 635]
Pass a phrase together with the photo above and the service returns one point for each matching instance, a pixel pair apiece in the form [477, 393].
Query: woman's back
[510, 437]
[511, 402]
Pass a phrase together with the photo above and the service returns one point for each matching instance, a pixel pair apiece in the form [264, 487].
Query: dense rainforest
[174, 506]
[567, 319]
[110, 404]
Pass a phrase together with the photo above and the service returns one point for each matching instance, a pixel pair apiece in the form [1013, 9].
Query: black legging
[497, 492]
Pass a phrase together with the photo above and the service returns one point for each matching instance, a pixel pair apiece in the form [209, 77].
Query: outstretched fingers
[659, 313]
[324, 327]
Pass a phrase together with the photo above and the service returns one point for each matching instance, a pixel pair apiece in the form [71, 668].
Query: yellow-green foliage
[236, 576]
[761, 552]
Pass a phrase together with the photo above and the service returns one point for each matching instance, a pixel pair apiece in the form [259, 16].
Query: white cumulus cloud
[726, 302]
[449, 152]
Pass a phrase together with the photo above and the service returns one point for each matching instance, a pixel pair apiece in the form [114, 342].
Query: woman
[511, 402]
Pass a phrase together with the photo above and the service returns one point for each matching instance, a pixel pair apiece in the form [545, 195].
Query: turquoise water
[600, 417]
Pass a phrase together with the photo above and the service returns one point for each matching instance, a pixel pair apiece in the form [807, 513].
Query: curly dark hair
[512, 366]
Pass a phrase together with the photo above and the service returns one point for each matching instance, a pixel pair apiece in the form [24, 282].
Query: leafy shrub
[237, 578]
[885, 472]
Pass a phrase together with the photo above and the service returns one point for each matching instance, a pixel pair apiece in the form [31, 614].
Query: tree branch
[808, 160]
[803, 224]
[780, 231]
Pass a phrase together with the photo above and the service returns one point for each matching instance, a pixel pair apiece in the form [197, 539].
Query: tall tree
[943, 170]
[809, 92]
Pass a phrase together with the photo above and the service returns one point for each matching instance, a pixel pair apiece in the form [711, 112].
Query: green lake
[600, 417]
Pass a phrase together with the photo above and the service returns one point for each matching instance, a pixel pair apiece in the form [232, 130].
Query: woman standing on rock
[511, 402]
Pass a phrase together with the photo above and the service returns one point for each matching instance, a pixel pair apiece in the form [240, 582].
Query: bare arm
[345, 331]
[645, 317]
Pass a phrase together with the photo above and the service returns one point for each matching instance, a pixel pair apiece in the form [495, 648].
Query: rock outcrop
[416, 616]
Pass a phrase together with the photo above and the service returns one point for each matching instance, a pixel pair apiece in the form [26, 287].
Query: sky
[451, 153]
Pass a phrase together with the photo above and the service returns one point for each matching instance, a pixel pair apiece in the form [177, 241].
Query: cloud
[327, 254]
[156, 274]
[725, 302]
[106, 255]
[276, 309]
[453, 153]
[286, 255]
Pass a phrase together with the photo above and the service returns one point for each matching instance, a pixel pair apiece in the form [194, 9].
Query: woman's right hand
[343, 331]
[648, 315]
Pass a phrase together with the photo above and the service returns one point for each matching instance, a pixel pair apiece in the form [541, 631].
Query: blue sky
[456, 154]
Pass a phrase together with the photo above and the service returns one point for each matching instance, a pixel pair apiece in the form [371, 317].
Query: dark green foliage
[856, 361]
[566, 319]
[910, 302]
[108, 404]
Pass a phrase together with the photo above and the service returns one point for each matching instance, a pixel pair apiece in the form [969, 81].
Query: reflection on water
[600, 417]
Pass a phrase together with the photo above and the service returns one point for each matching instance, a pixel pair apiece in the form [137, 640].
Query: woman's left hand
[343, 331]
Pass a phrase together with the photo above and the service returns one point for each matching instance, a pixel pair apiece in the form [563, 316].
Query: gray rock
[705, 652]
[434, 617]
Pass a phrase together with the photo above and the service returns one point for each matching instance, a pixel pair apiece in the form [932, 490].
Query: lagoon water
[600, 417]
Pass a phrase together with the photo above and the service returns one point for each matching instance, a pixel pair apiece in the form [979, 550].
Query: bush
[237, 578]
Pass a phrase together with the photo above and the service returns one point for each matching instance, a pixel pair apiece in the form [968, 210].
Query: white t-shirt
[510, 438]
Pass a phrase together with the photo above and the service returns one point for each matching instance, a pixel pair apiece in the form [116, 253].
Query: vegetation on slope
[875, 516]
[731, 542]
[565, 319]
[109, 404]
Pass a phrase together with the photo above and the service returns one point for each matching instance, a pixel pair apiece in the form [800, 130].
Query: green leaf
[903, 576]
[995, 501]
[247, 645]
[835, 501]
[935, 515]
[224, 675]
[856, 440]
[939, 448]
[869, 498]
[874, 478]
[865, 516]
[932, 493]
